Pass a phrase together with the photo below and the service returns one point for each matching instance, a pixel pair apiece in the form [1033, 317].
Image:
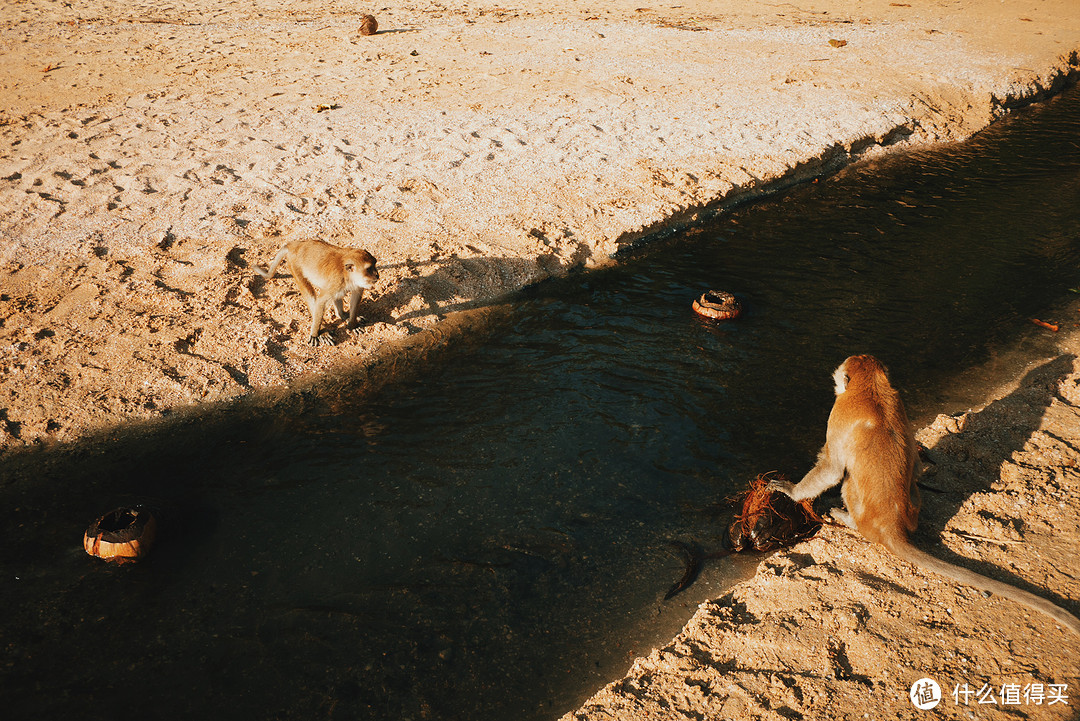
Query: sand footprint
[223, 175]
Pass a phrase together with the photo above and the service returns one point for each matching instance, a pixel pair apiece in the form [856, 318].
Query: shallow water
[488, 540]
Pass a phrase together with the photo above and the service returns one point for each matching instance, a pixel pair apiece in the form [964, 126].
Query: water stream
[488, 539]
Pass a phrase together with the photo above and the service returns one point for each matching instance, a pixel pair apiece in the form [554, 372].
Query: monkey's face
[360, 269]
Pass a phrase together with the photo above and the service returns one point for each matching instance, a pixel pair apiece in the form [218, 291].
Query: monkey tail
[269, 272]
[904, 549]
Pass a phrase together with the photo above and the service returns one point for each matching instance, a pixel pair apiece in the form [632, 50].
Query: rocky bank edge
[836, 628]
[151, 154]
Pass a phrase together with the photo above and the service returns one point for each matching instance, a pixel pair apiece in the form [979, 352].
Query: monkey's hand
[321, 339]
[785, 487]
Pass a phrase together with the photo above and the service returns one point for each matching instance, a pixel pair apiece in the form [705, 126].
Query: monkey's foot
[356, 329]
[785, 487]
[321, 339]
[843, 516]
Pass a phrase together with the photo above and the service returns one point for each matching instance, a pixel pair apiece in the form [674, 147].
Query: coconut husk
[766, 520]
[770, 519]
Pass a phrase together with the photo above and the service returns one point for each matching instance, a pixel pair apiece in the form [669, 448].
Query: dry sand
[152, 153]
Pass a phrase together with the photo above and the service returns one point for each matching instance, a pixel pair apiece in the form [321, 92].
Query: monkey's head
[360, 268]
[858, 369]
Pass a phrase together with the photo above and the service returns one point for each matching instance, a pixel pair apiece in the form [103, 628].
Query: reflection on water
[488, 540]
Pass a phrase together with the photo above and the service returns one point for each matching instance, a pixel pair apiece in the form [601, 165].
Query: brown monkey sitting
[326, 272]
[869, 446]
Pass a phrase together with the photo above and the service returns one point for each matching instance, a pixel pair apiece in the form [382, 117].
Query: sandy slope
[150, 154]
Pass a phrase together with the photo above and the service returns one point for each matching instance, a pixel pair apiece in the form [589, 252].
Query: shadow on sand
[970, 461]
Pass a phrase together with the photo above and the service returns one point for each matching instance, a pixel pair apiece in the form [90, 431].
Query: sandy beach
[151, 154]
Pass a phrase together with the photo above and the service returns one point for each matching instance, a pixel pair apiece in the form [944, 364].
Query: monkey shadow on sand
[971, 457]
[458, 283]
[411, 289]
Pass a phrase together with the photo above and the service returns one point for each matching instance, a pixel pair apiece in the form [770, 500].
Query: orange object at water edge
[770, 519]
[718, 305]
[122, 535]
[1044, 324]
[766, 520]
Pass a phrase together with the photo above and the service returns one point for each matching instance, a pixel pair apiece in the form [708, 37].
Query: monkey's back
[318, 263]
[879, 490]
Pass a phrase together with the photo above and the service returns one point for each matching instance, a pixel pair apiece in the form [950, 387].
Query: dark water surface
[489, 540]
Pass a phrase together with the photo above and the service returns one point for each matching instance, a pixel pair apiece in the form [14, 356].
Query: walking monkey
[870, 448]
[326, 272]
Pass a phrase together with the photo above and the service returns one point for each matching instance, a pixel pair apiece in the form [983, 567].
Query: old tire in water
[717, 305]
[122, 535]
